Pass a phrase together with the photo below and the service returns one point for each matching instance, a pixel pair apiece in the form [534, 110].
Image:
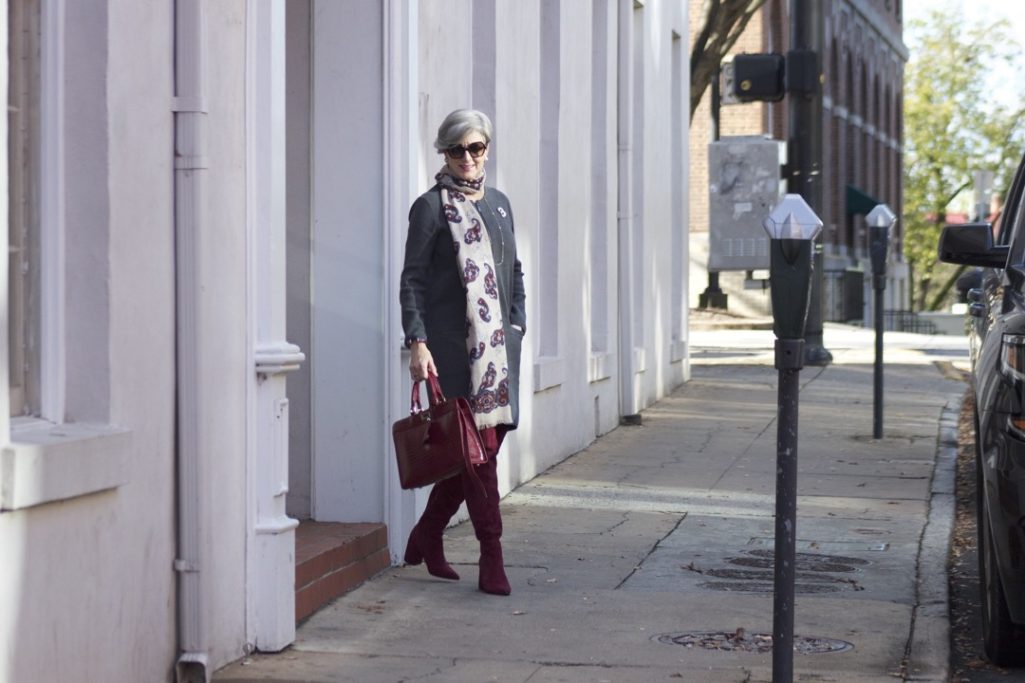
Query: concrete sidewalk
[647, 556]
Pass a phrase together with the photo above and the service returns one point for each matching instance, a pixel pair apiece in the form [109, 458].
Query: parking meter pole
[789, 361]
[790, 263]
[877, 395]
[879, 237]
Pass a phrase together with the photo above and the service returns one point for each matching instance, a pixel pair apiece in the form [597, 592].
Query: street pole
[803, 75]
[713, 296]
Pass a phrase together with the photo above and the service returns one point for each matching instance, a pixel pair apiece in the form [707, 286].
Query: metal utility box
[744, 183]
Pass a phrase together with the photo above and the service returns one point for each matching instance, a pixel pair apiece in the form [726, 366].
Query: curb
[928, 652]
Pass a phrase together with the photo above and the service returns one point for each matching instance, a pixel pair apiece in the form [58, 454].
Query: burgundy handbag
[436, 443]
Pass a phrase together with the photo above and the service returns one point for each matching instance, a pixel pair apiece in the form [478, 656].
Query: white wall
[298, 22]
[87, 582]
[562, 409]
[348, 344]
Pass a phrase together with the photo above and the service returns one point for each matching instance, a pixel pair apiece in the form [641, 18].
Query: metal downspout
[189, 166]
[624, 134]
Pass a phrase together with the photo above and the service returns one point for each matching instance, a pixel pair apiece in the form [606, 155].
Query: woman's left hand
[421, 362]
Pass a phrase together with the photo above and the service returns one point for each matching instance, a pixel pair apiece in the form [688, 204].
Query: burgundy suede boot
[487, 525]
[425, 542]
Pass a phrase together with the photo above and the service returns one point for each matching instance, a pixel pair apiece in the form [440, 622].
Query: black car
[997, 307]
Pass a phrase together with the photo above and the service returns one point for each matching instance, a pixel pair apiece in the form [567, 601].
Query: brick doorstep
[332, 559]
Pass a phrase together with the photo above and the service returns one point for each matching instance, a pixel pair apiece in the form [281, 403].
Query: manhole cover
[740, 641]
[809, 562]
[767, 586]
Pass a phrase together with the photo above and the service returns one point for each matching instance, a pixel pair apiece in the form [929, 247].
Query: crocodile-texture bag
[437, 442]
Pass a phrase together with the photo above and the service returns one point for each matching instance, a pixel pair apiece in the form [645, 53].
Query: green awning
[859, 203]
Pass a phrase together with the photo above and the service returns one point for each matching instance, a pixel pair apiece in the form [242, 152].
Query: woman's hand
[421, 361]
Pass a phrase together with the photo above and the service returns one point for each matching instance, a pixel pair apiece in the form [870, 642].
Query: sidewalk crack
[652, 550]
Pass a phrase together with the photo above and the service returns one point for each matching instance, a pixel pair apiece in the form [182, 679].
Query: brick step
[332, 558]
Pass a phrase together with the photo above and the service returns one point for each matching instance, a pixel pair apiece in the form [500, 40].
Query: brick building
[863, 62]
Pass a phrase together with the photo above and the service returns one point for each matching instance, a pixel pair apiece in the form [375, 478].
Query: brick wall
[862, 61]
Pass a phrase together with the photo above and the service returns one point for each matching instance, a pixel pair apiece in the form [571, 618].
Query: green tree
[722, 23]
[954, 125]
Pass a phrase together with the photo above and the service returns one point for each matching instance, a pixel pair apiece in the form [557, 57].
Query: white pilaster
[270, 571]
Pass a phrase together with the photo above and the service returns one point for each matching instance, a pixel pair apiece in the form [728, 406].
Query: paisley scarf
[485, 334]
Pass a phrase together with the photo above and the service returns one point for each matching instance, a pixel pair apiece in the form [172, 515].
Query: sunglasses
[475, 149]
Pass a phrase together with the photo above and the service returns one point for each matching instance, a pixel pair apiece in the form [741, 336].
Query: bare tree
[723, 22]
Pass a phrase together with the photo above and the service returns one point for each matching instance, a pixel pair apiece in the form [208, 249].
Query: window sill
[600, 366]
[46, 462]
[549, 371]
[677, 351]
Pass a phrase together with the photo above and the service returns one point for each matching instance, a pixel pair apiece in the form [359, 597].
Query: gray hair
[459, 124]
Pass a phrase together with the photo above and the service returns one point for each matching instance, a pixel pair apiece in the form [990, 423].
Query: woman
[463, 315]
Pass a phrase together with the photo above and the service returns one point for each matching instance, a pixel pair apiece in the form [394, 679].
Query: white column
[270, 571]
[401, 140]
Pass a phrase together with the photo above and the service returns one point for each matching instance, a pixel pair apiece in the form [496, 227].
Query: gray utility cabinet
[744, 184]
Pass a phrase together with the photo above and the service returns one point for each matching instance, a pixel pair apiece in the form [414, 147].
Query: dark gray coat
[433, 297]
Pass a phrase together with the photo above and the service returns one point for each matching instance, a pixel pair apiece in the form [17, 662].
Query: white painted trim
[47, 462]
[52, 215]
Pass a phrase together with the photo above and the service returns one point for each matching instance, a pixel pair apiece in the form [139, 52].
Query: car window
[1012, 218]
[1004, 223]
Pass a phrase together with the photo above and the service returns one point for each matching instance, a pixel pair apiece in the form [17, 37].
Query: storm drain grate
[806, 562]
[740, 641]
[766, 575]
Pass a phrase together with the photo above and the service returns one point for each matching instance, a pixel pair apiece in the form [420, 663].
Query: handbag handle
[414, 399]
[434, 394]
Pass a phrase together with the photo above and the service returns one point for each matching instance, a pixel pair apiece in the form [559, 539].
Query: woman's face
[464, 166]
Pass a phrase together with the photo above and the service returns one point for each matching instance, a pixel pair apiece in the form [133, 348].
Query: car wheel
[1003, 640]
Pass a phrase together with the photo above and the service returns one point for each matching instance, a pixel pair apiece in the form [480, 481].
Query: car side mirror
[972, 244]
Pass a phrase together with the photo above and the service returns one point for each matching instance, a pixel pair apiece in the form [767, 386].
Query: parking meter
[792, 227]
[879, 220]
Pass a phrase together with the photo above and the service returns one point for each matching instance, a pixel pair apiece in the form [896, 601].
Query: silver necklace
[498, 225]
